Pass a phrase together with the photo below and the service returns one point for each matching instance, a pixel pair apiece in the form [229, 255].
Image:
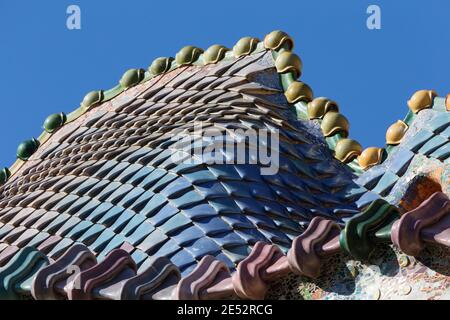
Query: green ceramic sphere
[54, 122]
[27, 148]
[160, 65]
[4, 175]
[131, 78]
[188, 55]
[92, 98]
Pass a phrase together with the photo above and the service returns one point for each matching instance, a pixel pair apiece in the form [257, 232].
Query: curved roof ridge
[335, 126]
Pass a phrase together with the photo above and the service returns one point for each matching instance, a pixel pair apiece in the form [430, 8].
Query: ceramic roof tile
[107, 180]
[442, 153]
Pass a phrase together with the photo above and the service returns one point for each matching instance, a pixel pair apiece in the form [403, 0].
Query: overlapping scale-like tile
[108, 180]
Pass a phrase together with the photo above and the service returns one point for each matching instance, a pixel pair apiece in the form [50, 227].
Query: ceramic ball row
[276, 40]
[420, 100]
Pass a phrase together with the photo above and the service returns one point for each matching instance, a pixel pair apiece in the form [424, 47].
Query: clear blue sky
[46, 68]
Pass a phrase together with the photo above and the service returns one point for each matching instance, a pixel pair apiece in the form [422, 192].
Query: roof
[99, 188]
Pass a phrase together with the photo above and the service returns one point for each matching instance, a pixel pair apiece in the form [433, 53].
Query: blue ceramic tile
[188, 200]
[122, 220]
[262, 191]
[176, 188]
[399, 161]
[132, 224]
[110, 216]
[99, 211]
[163, 182]
[67, 226]
[337, 180]
[182, 259]
[439, 104]
[114, 243]
[105, 169]
[61, 247]
[237, 220]
[149, 156]
[432, 145]
[313, 184]
[200, 176]
[260, 221]
[153, 205]
[135, 197]
[139, 257]
[38, 239]
[107, 190]
[308, 199]
[84, 187]
[289, 225]
[211, 190]
[175, 224]
[199, 211]
[222, 257]
[78, 229]
[237, 188]
[119, 193]
[140, 175]
[439, 122]
[138, 154]
[276, 237]
[128, 173]
[162, 156]
[366, 199]
[303, 168]
[91, 234]
[77, 205]
[188, 234]
[322, 211]
[293, 181]
[94, 190]
[418, 140]
[371, 177]
[168, 249]
[289, 166]
[212, 225]
[152, 178]
[65, 203]
[5, 229]
[152, 242]
[249, 172]
[251, 236]
[250, 205]
[116, 171]
[275, 208]
[56, 223]
[227, 239]
[141, 232]
[237, 253]
[164, 214]
[353, 192]
[102, 240]
[442, 153]
[52, 201]
[202, 247]
[187, 167]
[225, 206]
[225, 172]
[69, 184]
[446, 133]
[186, 270]
[273, 179]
